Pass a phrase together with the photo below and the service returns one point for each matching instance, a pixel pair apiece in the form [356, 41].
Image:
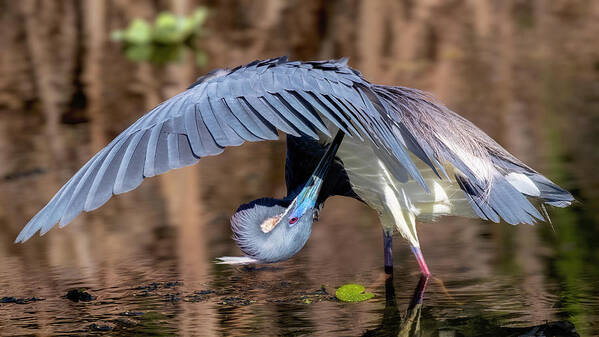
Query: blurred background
[73, 74]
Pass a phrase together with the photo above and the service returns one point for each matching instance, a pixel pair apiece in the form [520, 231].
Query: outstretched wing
[227, 108]
[495, 183]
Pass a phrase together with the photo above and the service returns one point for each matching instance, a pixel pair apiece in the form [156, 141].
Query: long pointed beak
[307, 197]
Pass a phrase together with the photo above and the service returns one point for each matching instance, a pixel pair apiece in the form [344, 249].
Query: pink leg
[421, 262]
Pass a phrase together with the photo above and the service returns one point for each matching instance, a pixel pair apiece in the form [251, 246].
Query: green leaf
[165, 40]
[165, 28]
[117, 35]
[201, 58]
[170, 29]
[187, 27]
[199, 16]
[139, 52]
[138, 32]
[164, 54]
[166, 20]
[352, 293]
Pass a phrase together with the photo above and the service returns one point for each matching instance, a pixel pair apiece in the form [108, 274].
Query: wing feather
[226, 117]
[277, 105]
[308, 100]
[149, 166]
[130, 173]
[102, 184]
[320, 101]
[259, 107]
[250, 121]
[293, 104]
[207, 141]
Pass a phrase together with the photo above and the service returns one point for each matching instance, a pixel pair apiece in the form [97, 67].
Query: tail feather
[551, 193]
[548, 191]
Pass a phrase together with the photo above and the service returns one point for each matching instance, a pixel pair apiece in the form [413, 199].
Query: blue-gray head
[272, 230]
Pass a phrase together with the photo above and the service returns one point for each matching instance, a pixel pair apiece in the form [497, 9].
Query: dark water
[525, 72]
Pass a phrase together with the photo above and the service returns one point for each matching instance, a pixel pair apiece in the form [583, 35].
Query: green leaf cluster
[165, 39]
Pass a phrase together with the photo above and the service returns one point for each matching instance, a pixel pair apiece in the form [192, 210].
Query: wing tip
[20, 238]
[32, 227]
[25, 235]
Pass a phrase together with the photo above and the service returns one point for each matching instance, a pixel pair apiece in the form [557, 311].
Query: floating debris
[319, 295]
[237, 301]
[100, 327]
[149, 287]
[131, 313]
[20, 300]
[172, 297]
[125, 322]
[77, 295]
[172, 284]
[159, 285]
[352, 293]
[198, 296]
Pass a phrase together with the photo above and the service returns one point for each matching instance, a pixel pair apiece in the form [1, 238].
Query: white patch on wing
[523, 184]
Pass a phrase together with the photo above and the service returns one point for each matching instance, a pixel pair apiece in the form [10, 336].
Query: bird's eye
[293, 220]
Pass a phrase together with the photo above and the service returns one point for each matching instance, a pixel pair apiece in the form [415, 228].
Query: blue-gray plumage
[272, 230]
[403, 154]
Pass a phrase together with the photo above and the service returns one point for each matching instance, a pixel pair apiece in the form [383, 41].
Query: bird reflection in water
[394, 323]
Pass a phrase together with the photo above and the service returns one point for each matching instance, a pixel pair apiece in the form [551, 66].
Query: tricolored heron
[393, 148]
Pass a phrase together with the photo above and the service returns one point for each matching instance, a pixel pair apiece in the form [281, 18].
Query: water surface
[148, 258]
[525, 72]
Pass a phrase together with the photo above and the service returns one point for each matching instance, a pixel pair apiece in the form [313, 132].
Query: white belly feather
[400, 204]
